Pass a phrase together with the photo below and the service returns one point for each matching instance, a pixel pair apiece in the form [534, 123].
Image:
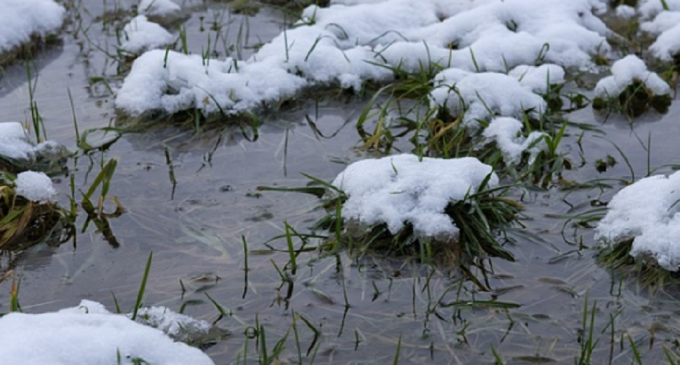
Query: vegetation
[24, 223]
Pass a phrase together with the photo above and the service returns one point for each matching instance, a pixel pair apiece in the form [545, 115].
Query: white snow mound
[88, 334]
[482, 96]
[507, 133]
[35, 186]
[20, 19]
[15, 145]
[667, 26]
[648, 212]
[402, 189]
[624, 72]
[142, 35]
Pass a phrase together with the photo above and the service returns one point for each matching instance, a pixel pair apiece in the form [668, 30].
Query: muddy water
[196, 226]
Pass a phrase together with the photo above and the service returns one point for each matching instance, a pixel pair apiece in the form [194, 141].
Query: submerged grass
[646, 271]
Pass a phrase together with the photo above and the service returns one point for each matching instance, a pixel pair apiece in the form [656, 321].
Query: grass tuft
[634, 101]
[482, 218]
[24, 223]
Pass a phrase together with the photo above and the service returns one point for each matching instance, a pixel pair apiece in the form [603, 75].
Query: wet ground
[364, 309]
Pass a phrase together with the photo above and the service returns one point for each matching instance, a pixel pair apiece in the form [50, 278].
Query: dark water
[196, 229]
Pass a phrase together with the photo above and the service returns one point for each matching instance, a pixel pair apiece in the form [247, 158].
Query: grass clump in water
[24, 223]
[645, 269]
[634, 101]
[398, 217]
[481, 218]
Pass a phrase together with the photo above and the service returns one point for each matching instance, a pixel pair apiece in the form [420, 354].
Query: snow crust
[142, 35]
[160, 8]
[648, 212]
[19, 19]
[88, 334]
[624, 72]
[35, 186]
[506, 132]
[400, 189]
[352, 42]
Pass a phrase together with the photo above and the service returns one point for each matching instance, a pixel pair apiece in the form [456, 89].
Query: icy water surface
[192, 200]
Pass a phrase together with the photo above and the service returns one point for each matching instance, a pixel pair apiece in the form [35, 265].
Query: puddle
[193, 201]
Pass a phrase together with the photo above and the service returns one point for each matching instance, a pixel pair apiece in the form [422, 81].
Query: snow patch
[347, 45]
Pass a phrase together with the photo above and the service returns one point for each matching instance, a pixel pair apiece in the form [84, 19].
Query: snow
[624, 72]
[665, 25]
[650, 8]
[399, 189]
[15, 145]
[141, 35]
[172, 82]
[20, 19]
[481, 96]
[35, 186]
[538, 79]
[160, 8]
[88, 334]
[352, 42]
[506, 132]
[646, 211]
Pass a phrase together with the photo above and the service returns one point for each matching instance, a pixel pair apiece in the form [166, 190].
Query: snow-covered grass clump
[404, 204]
[346, 45]
[142, 35]
[481, 96]
[401, 189]
[632, 88]
[507, 134]
[89, 334]
[645, 218]
[28, 213]
[18, 153]
[22, 19]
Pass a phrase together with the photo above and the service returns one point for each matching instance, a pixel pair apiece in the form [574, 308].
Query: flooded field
[191, 197]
